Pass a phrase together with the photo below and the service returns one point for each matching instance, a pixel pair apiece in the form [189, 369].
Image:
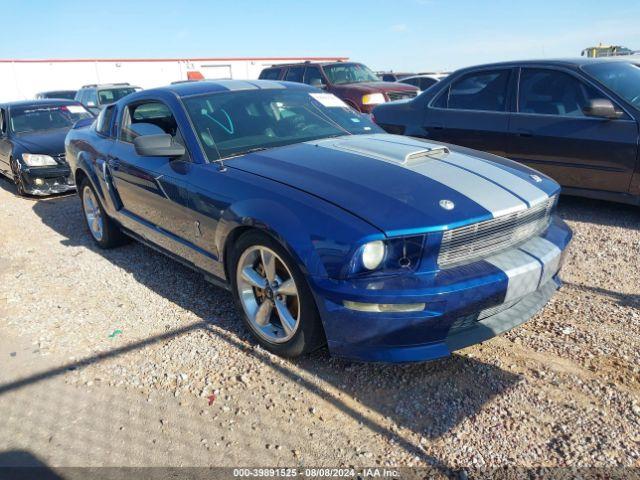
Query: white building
[22, 79]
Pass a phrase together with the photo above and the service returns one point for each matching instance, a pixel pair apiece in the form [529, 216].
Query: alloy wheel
[92, 213]
[268, 294]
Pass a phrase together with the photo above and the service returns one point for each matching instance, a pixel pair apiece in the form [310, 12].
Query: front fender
[279, 222]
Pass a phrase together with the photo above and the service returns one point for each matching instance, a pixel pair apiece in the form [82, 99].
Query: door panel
[473, 112]
[153, 190]
[581, 153]
[550, 133]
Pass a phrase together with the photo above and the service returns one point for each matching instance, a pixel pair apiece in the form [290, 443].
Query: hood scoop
[389, 148]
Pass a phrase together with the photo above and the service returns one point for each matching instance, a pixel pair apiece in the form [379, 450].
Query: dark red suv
[354, 83]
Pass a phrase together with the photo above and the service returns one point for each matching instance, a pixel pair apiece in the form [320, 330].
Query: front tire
[273, 296]
[17, 179]
[104, 231]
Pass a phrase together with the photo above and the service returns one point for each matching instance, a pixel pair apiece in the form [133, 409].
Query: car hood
[375, 87]
[50, 142]
[402, 185]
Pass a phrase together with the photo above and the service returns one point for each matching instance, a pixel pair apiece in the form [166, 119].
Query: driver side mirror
[158, 146]
[601, 107]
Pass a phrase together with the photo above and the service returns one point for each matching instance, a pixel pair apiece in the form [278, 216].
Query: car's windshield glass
[621, 77]
[36, 118]
[341, 73]
[232, 123]
[67, 95]
[110, 95]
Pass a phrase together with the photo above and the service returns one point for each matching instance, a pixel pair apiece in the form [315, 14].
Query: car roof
[211, 86]
[304, 64]
[108, 85]
[39, 102]
[564, 62]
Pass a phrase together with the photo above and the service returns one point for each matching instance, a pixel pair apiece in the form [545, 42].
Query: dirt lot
[111, 358]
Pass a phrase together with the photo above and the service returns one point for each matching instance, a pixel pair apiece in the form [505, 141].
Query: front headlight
[391, 255]
[373, 99]
[373, 254]
[35, 160]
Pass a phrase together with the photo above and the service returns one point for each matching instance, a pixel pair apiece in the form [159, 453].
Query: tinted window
[389, 77]
[621, 77]
[103, 122]
[45, 117]
[551, 92]
[91, 97]
[3, 122]
[426, 83]
[312, 76]
[110, 95]
[270, 74]
[486, 91]
[294, 74]
[232, 123]
[64, 94]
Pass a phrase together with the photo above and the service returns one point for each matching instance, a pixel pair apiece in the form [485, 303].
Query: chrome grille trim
[482, 239]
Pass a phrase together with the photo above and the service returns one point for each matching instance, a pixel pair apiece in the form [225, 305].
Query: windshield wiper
[245, 152]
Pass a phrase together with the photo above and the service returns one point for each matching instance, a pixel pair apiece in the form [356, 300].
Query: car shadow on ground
[600, 212]
[429, 399]
[24, 465]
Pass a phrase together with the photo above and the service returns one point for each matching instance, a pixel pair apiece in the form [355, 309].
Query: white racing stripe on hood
[524, 189]
[481, 183]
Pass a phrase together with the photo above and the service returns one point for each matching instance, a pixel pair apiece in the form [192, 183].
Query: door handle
[436, 126]
[524, 133]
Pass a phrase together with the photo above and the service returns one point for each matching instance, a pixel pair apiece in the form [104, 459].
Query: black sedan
[575, 120]
[32, 137]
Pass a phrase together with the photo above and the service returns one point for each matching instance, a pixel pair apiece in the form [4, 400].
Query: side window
[551, 92]
[3, 121]
[426, 83]
[294, 74]
[412, 81]
[485, 91]
[104, 121]
[91, 96]
[270, 74]
[149, 118]
[312, 76]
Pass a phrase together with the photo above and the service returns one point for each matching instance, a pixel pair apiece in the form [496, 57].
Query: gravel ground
[113, 358]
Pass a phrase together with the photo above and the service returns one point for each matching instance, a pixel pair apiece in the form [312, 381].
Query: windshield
[621, 77]
[111, 95]
[232, 123]
[341, 73]
[36, 118]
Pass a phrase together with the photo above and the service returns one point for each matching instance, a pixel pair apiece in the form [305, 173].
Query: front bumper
[465, 305]
[46, 180]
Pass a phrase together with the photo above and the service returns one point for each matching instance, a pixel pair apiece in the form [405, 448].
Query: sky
[400, 35]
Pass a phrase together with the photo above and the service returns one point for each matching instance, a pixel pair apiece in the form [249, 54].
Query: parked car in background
[354, 83]
[32, 137]
[63, 94]
[575, 120]
[95, 97]
[326, 230]
[393, 76]
[423, 80]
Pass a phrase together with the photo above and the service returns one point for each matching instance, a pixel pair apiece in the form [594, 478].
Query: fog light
[38, 181]
[384, 307]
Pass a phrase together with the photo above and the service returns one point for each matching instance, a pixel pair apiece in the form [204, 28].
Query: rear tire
[104, 231]
[274, 297]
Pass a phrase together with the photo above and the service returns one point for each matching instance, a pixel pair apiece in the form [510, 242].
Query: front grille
[400, 95]
[464, 244]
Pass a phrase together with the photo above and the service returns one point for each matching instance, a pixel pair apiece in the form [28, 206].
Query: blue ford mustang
[327, 230]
